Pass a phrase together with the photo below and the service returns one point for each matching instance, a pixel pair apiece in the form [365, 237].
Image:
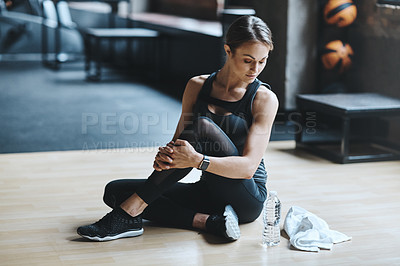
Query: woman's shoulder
[264, 92]
[265, 98]
[195, 84]
[193, 88]
[198, 81]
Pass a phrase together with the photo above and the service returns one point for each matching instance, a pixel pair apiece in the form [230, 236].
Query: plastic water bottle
[272, 216]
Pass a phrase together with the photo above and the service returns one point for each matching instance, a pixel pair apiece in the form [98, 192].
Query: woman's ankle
[199, 221]
[134, 205]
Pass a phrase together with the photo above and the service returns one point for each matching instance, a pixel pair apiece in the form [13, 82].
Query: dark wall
[375, 38]
[193, 56]
[274, 13]
[292, 64]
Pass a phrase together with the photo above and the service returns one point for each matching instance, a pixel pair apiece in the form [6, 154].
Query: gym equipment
[337, 55]
[340, 12]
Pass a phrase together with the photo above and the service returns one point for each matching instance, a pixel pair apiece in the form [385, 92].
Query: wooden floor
[44, 197]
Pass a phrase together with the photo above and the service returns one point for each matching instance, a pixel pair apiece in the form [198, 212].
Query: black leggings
[176, 203]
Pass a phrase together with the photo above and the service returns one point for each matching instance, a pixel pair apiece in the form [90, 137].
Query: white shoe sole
[122, 235]
[231, 223]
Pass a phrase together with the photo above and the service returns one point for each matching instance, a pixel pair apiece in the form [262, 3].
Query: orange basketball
[340, 12]
[337, 55]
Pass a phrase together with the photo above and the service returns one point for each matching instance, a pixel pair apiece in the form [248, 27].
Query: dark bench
[326, 126]
[94, 37]
[180, 34]
[175, 25]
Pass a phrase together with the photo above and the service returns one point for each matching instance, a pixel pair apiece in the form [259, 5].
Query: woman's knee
[203, 126]
[118, 191]
[109, 196]
[248, 215]
[213, 139]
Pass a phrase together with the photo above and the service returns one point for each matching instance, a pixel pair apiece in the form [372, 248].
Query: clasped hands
[178, 154]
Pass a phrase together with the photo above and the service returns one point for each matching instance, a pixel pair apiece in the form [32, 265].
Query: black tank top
[237, 124]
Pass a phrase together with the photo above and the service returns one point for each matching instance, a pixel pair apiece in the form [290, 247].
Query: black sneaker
[114, 225]
[226, 225]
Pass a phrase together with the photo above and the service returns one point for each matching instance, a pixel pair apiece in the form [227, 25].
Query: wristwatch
[204, 163]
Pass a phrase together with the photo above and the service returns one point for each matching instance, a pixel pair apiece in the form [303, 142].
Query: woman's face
[248, 60]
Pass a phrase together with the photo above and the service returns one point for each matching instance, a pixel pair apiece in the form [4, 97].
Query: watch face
[205, 163]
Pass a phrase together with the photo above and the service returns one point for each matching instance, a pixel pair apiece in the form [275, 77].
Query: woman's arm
[189, 98]
[265, 106]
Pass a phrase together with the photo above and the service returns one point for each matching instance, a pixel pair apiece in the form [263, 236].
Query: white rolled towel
[309, 232]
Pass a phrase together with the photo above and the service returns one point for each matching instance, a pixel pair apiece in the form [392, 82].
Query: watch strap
[204, 163]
